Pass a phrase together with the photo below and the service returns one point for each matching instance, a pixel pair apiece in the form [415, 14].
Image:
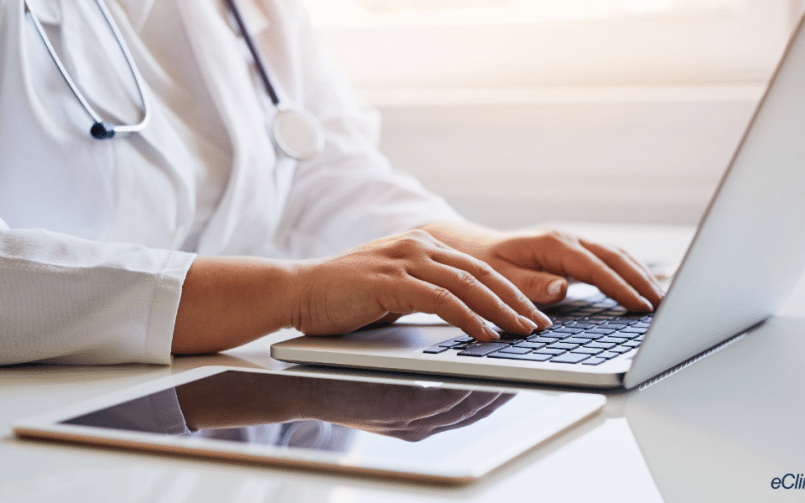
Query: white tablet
[420, 430]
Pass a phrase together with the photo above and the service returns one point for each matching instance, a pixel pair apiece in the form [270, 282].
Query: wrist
[298, 286]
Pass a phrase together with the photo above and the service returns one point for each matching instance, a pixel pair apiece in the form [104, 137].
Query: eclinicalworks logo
[789, 481]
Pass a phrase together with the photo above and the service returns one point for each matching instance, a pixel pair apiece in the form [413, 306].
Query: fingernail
[526, 323]
[541, 319]
[649, 305]
[491, 333]
[555, 287]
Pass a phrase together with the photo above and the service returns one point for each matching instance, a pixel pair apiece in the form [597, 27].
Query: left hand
[539, 263]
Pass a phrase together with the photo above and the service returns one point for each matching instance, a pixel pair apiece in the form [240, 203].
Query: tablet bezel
[473, 463]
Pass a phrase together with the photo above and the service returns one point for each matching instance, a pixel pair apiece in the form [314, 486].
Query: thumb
[540, 287]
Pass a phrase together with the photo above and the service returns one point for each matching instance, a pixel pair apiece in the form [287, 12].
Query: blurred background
[522, 111]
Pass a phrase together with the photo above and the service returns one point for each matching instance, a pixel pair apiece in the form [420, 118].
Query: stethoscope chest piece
[297, 134]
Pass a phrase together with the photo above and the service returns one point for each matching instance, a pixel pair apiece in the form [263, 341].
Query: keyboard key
[545, 340]
[612, 340]
[631, 344]
[602, 331]
[593, 361]
[634, 330]
[530, 345]
[588, 336]
[464, 339]
[548, 351]
[600, 345]
[482, 349]
[588, 351]
[562, 345]
[515, 350]
[624, 335]
[612, 324]
[507, 337]
[620, 349]
[608, 355]
[434, 350]
[579, 324]
[566, 330]
[575, 340]
[570, 358]
[532, 357]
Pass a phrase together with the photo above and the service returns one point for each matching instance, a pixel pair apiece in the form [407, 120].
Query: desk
[719, 430]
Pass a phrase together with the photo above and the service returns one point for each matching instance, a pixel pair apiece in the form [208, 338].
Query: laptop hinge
[694, 359]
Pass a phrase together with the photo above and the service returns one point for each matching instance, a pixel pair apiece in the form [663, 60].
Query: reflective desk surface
[719, 430]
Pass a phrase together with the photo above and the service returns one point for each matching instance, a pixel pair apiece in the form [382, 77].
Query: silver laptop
[746, 257]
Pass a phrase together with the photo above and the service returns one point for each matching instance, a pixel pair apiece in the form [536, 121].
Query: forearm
[228, 301]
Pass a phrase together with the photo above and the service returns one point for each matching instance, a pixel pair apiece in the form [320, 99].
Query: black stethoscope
[293, 130]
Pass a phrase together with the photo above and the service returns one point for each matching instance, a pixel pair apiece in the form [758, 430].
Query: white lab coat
[96, 236]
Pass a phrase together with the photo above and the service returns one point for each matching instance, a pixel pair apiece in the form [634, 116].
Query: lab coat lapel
[249, 211]
[93, 58]
[137, 11]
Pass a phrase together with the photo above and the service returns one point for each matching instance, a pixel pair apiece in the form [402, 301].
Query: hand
[403, 274]
[539, 262]
[411, 413]
[406, 412]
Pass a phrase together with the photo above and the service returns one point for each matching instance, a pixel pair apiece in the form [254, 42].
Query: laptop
[746, 257]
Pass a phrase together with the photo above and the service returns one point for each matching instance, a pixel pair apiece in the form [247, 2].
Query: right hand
[406, 273]
[410, 413]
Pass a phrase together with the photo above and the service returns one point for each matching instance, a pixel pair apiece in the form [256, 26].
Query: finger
[480, 414]
[629, 269]
[462, 410]
[584, 265]
[482, 274]
[541, 287]
[472, 409]
[477, 296]
[420, 403]
[413, 294]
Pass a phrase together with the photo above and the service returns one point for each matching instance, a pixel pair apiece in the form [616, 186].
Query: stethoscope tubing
[258, 60]
[146, 105]
[294, 131]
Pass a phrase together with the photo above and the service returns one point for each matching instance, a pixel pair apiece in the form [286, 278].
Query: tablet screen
[320, 414]
[429, 431]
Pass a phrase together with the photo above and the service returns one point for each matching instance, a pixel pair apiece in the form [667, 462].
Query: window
[523, 43]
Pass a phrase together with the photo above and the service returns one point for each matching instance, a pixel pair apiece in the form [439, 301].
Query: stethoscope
[293, 130]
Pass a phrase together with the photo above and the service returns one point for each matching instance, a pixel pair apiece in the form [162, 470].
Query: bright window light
[446, 12]
[504, 44]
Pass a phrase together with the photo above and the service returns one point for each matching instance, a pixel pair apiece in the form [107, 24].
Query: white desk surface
[719, 430]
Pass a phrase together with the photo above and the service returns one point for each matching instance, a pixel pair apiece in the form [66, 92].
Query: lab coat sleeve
[71, 300]
[349, 194]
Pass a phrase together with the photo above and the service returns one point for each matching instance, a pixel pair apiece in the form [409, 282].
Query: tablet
[417, 430]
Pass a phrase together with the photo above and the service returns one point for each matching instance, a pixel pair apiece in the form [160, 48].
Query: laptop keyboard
[587, 332]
